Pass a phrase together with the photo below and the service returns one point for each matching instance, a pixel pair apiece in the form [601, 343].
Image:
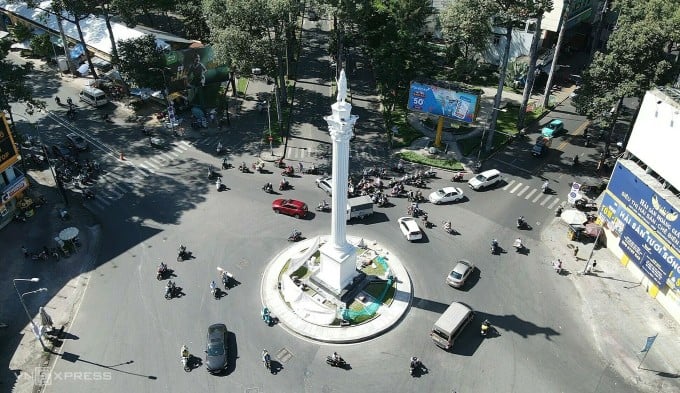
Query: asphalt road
[126, 336]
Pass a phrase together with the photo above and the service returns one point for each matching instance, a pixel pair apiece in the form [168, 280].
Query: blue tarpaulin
[76, 51]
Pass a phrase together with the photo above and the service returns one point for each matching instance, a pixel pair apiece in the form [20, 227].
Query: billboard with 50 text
[461, 106]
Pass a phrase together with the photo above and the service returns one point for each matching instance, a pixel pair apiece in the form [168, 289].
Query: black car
[216, 348]
[61, 151]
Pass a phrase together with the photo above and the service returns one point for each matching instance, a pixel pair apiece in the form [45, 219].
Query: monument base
[338, 267]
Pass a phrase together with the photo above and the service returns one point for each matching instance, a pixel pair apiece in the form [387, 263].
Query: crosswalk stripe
[147, 168]
[516, 187]
[158, 161]
[169, 157]
[98, 200]
[185, 143]
[509, 184]
[530, 194]
[553, 203]
[537, 197]
[546, 200]
[519, 194]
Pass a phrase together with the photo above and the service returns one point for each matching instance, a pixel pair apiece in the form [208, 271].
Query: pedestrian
[300, 165]
[25, 251]
[575, 250]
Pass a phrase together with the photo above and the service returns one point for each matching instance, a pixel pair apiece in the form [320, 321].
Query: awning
[3, 34]
[21, 45]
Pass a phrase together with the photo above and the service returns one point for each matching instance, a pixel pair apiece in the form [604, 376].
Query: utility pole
[558, 46]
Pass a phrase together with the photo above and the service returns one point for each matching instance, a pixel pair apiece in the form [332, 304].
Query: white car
[325, 183]
[445, 195]
[485, 179]
[409, 227]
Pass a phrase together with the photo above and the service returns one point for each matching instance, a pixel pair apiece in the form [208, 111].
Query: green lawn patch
[241, 86]
[414, 157]
[300, 272]
[376, 289]
[378, 270]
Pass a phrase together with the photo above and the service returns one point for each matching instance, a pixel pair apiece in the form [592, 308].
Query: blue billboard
[647, 225]
[443, 102]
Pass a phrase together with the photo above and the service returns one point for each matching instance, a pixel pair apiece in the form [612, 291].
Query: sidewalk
[621, 315]
[65, 280]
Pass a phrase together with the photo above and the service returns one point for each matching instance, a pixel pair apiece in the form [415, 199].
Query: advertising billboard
[196, 73]
[8, 150]
[439, 101]
[647, 224]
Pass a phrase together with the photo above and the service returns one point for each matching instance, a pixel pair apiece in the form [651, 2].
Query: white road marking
[530, 194]
[509, 184]
[546, 200]
[516, 187]
[519, 194]
[553, 203]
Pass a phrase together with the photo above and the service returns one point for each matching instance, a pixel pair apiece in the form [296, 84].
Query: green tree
[194, 21]
[41, 45]
[13, 78]
[394, 40]
[466, 28]
[635, 58]
[250, 34]
[141, 61]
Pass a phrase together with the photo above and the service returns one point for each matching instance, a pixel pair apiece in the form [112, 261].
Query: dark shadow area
[73, 358]
[374, 218]
[429, 305]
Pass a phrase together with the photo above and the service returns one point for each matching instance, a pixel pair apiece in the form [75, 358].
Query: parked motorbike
[295, 236]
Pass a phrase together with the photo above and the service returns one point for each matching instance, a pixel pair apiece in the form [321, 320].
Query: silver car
[324, 183]
[460, 273]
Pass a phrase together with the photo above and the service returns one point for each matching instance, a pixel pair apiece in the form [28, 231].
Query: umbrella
[84, 69]
[68, 234]
[573, 217]
[593, 229]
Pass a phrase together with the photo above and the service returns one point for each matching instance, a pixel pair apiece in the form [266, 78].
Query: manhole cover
[284, 355]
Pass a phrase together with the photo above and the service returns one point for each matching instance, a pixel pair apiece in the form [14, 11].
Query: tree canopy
[13, 79]
[140, 55]
[636, 57]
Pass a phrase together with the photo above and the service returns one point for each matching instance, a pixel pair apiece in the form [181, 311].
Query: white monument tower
[338, 257]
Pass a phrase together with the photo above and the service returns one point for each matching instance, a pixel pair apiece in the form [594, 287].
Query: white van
[359, 207]
[449, 326]
[93, 96]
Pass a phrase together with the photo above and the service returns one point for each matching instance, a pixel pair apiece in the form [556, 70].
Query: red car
[292, 207]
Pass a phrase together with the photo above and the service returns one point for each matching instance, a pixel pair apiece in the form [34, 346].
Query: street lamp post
[166, 95]
[486, 127]
[36, 330]
[269, 121]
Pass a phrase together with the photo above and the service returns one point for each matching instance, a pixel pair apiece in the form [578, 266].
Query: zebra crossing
[532, 194]
[121, 178]
[320, 152]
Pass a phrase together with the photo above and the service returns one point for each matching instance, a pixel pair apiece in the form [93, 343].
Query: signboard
[19, 184]
[8, 150]
[439, 101]
[649, 206]
[627, 217]
[196, 73]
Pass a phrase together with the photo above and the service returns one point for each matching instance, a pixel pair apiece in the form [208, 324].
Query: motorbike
[522, 224]
[557, 265]
[185, 362]
[558, 211]
[416, 367]
[182, 254]
[486, 328]
[425, 221]
[323, 207]
[447, 227]
[40, 255]
[225, 164]
[170, 290]
[339, 362]
[296, 236]
[398, 168]
[218, 184]
[267, 360]
[211, 173]
[430, 173]
[215, 292]
[311, 171]
[458, 177]
[288, 171]
[519, 247]
[268, 188]
[226, 278]
[494, 247]
[160, 273]
[284, 185]
[575, 162]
